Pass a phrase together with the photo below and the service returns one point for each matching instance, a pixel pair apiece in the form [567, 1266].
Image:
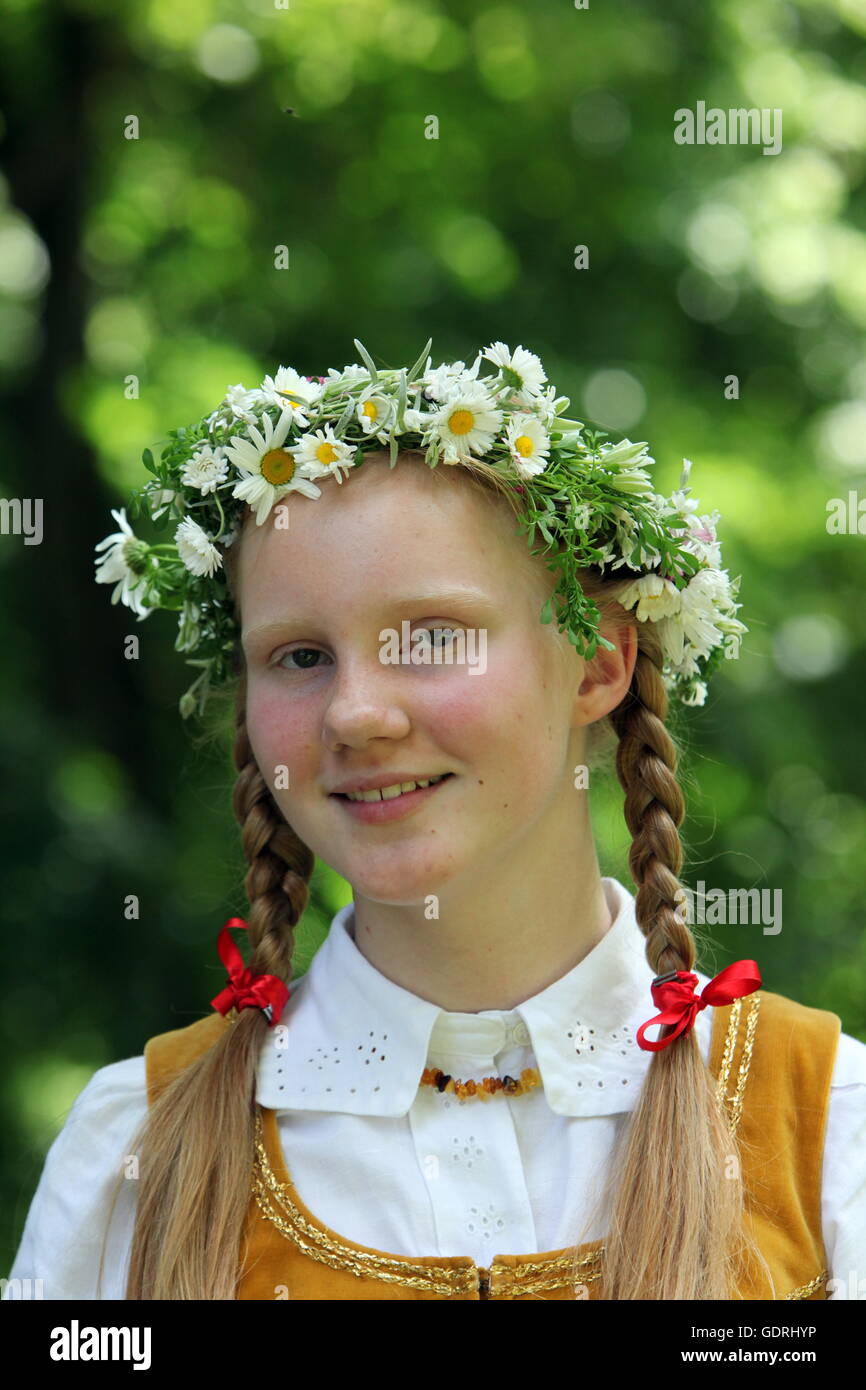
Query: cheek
[513, 718]
[278, 734]
[503, 709]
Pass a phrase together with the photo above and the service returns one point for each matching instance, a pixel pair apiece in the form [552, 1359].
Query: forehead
[376, 528]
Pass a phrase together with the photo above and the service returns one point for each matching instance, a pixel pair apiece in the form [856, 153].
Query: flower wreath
[589, 497]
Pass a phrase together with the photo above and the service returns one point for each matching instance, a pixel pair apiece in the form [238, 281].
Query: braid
[280, 864]
[646, 763]
[677, 1141]
[193, 1194]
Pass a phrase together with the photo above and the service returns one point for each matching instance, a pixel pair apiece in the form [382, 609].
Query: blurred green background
[154, 257]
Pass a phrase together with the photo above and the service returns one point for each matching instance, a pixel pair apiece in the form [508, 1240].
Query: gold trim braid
[806, 1290]
[314, 1241]
[734, 1103]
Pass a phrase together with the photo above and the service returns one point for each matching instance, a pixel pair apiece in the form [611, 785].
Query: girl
[460, 1098]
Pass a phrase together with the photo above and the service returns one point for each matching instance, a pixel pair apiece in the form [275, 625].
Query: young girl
[461, 1098]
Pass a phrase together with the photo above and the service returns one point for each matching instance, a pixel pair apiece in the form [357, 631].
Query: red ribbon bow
[246, 990]
[675, 995]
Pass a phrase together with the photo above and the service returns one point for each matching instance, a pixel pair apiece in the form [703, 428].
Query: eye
[443, 636]
[303, 653]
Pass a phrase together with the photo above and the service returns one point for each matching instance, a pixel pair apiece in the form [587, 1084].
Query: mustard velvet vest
[773, 1060]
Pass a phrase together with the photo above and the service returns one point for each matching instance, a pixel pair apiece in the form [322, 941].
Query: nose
[366, 702]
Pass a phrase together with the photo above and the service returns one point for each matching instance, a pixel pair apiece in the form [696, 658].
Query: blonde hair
[675, 1224]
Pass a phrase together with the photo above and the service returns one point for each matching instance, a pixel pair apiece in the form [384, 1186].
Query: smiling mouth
[388, 794]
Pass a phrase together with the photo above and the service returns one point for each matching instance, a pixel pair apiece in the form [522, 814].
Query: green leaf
[421, 360]
[344, 419]
[401, 400]
[368, 361]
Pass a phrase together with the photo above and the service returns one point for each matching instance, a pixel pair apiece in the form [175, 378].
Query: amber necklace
[483, 1090]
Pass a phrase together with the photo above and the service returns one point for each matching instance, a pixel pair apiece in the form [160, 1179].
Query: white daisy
[271, 471]
[287, 379]
[195, 548]
[545, 404]
[467, 423]
[204, 469]
[655, 597]
[322, 453]
[521, 369]
[375, 412]
[124, 564]
[529, 444]
[443, 382]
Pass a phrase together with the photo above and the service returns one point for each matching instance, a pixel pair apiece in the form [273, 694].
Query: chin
[399, 884]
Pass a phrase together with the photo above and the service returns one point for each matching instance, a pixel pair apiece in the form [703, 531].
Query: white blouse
[407, 1170]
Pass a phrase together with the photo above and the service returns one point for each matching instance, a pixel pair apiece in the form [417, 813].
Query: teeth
[386, 793]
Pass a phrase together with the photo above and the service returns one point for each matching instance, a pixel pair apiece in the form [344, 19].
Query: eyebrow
[476, 597]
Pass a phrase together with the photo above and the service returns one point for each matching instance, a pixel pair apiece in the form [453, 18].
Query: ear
[607, 677]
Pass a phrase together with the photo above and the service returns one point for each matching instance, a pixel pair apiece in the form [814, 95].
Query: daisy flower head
[270, 471]
[521, 369]
[545, 404]
[444, 381]
[196, 549]
[529, 444]
[204, 469]
[322, 453]
[467, 423]
[375, 413]
[272, 389]
[124, 565]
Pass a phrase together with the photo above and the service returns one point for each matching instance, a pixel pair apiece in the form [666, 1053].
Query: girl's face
[382, 548]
